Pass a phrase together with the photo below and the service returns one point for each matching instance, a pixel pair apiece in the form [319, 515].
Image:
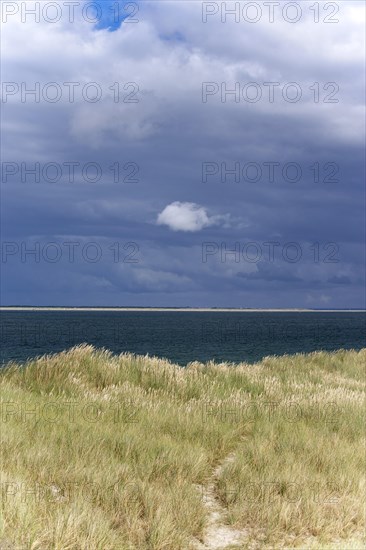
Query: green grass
[106, 452]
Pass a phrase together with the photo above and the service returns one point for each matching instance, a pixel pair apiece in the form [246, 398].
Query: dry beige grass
[100, 452]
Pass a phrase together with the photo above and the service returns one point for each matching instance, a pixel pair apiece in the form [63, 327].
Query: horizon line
[175, 308]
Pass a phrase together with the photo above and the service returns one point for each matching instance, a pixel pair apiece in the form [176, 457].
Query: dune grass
[103, 452]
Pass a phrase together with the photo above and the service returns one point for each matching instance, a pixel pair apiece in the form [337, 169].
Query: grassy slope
[105, 452]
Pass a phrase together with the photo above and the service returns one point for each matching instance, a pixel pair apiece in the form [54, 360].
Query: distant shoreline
[183, 309]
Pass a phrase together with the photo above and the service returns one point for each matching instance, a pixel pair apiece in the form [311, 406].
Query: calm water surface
[181, 336]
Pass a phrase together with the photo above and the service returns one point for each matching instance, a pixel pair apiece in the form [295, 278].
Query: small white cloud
[185, 216]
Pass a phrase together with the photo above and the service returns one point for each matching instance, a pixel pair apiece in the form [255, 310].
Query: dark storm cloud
[171, 135]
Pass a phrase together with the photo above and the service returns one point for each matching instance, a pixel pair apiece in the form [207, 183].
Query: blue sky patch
[113, 13]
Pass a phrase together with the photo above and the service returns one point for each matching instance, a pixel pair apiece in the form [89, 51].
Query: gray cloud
[169, 134]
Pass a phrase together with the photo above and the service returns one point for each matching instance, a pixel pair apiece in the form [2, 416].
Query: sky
[174, 154]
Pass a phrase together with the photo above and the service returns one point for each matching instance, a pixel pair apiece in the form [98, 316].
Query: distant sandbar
[187, 309]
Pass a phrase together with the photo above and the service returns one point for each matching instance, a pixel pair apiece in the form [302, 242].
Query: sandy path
[218, 535]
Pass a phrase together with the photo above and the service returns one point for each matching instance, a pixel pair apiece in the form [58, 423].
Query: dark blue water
[181, 336]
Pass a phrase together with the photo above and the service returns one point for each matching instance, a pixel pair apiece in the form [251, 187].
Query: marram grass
[104, 452]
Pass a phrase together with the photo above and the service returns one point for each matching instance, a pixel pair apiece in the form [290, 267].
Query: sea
[181, 336]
